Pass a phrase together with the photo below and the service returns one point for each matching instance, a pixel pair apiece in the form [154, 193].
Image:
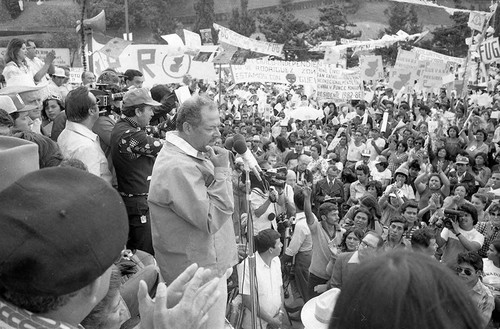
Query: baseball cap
[256, 138]
[56, 226]
[59, 72]
[462, 159]
[138, 96]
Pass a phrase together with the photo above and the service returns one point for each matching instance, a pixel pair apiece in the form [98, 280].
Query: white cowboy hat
[316, 313]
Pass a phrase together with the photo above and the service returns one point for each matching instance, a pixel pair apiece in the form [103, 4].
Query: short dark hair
[364, 168]
[266, 239]
[78, 103]
[472, 258]
[421, 238]
[399, 219]
[409, 204]
[326, 207]
[130, 74]
[298, 199]
[470, 209]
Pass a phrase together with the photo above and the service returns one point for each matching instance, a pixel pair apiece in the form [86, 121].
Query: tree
[205, 15]
[451, 40]
[243, 23]
[283, 27]
[152, 14]
[333, 25]
[402, 17]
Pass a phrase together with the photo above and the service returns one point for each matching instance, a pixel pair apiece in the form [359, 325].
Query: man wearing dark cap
[133, 152]
[57, 250]
[61, 230]
[191, 200]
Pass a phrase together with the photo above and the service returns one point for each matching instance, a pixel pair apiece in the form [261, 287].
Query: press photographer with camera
[267, 201]
[455, 232]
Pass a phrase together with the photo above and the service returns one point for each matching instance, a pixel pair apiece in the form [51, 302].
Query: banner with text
[275, 71]
[338, 85]
[228, 36]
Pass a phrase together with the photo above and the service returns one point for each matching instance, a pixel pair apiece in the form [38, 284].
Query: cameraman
[265, 205]
[456, 233]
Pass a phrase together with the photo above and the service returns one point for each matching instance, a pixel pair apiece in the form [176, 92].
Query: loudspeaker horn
[96, 23]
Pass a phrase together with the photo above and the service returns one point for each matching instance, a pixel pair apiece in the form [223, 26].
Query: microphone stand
[251, 254]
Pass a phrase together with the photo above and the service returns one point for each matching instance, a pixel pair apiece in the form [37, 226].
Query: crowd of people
[387, 204]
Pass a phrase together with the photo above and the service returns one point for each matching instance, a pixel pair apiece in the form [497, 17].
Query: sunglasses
[467, 271]
[495, 213]
[418, 143]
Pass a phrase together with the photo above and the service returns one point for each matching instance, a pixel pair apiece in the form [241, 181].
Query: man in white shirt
[77, 140]
[38, 67]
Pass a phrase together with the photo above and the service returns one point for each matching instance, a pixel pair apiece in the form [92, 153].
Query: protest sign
[477, 20]
[275, 71]
[371, 68]
[489, 50]
[75, 75]
[338, 85]
[228, 36]
[432, 75]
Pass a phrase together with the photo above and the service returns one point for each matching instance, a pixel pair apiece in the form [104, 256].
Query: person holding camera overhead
[456, 233]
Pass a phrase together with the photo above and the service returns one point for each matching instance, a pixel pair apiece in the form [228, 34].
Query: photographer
[266, 203]
[456, 233]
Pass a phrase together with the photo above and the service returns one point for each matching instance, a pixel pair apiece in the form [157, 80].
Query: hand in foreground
[321, 288]
[218, 156]
[176, 289]
[189, 313]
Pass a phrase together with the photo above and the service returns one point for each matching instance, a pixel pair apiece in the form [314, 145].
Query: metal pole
[126, 21]
[251, 255]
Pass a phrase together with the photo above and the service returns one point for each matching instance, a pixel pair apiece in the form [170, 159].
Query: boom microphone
[240, 146]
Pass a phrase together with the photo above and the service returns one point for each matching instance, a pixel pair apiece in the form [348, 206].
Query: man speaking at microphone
[191, 200]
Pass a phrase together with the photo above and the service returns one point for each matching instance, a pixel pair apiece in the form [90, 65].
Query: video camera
[450, 216]
[105, 95]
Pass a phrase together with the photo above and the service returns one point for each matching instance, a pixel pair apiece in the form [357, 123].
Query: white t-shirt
[491, 276]
[354, 152]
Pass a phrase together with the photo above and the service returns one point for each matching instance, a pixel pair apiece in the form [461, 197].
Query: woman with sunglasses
[469, 269]
[52, 106]
[490, 229]
[491, 278]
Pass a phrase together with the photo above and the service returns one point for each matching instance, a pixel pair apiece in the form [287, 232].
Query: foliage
[451, 40]
[401, 17]
[205, 14]
[244, 22]
[333, 25]
[62, 17]
[283, 27]
[153, 14]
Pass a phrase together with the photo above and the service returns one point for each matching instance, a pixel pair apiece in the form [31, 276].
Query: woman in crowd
[490, 229]
[453, 143]
[491, 278]
[479, 201]
[15, 61]
[458, 198]
[475, 141]
[431, 187]
[51, 107]
[439, 159]
[351, 239]
[420, 292]
[480, 170]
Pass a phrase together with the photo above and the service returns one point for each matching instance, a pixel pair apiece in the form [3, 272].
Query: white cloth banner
[275, 71]
[159, 63]
[228, 36]
[449, 10]
[338, 85]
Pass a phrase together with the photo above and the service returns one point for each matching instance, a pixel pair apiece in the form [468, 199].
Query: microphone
[240, 146]
[228, 144]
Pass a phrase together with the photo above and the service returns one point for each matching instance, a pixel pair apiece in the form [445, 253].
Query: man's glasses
[495, 213]
[417, 143]
[366, 245]
[467, 271]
